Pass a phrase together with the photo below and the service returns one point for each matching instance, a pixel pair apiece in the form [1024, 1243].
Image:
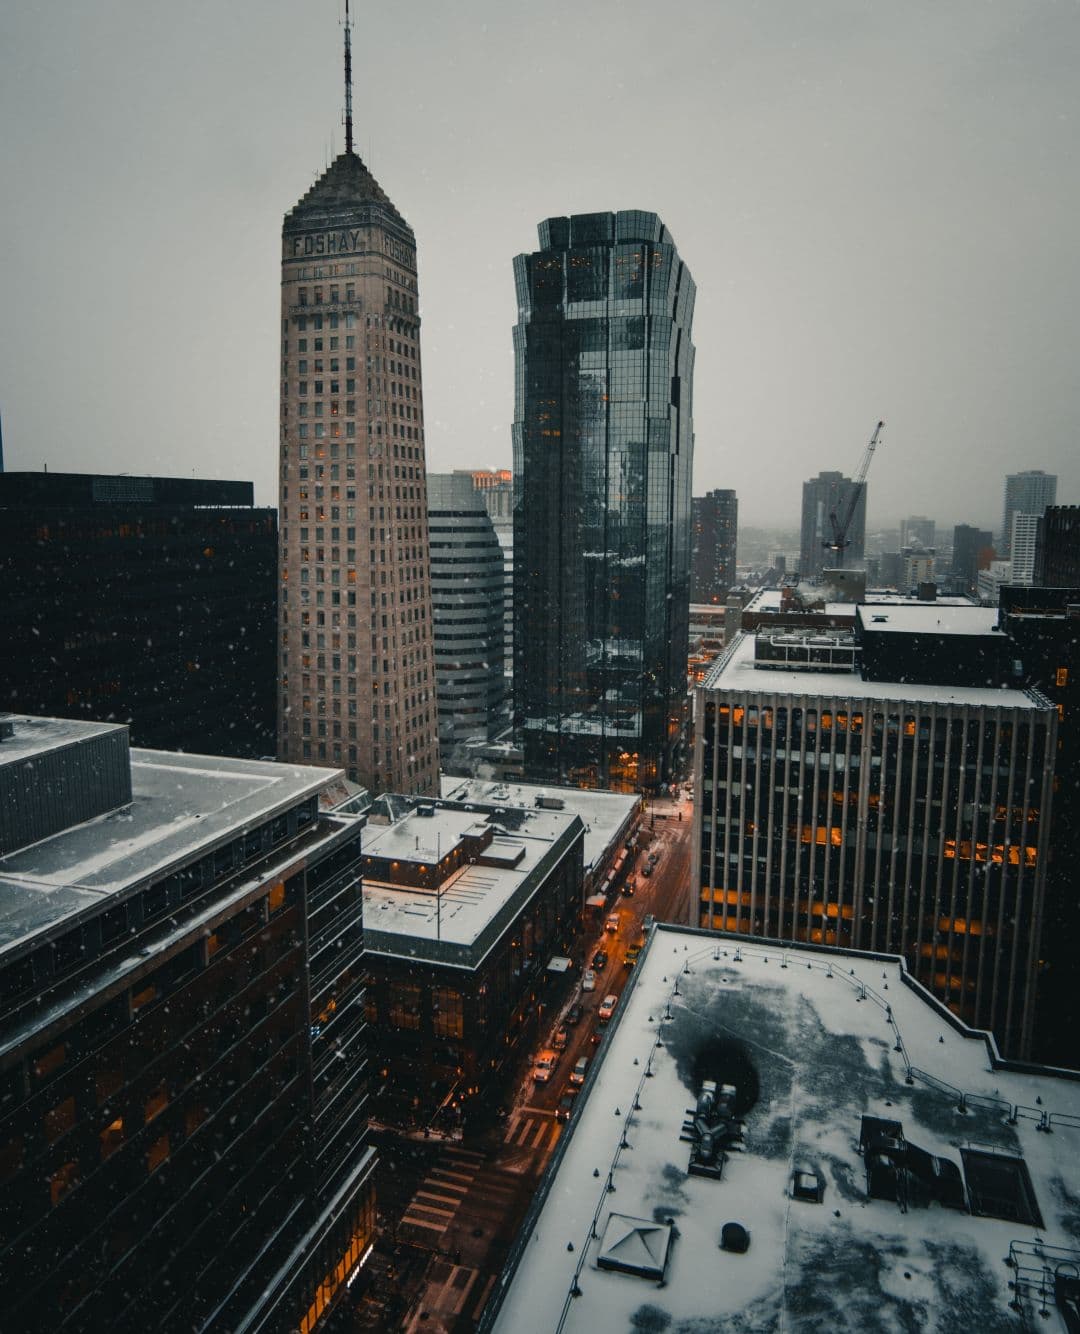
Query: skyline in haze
[876, 203]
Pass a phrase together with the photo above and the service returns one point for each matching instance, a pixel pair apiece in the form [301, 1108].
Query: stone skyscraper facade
[603, 450]
[356, 660]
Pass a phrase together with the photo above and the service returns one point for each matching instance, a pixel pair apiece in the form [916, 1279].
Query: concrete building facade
[356, 660]
[1024, 544]
[1029, 492]
[715, 531]
[467, 586]
[972, 550]
[871, 814]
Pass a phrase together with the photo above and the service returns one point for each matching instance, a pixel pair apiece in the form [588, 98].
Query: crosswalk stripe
[423, 1222]
[443, 1199]
[429, 1211]
[454, 1177]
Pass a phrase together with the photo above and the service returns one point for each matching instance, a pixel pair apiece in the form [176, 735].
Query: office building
[973, 550]
[715, 518]
[467, 584]
[1058, 561]
[828, 494]
[603, 450]
[1030, 493]
[801, 1140]
[182, 1055]
[917, 567]
[851, 792]
[496, 489]
[918, 531]
[473, 912]
[149, 601]
[1024, 545]
[356, 666]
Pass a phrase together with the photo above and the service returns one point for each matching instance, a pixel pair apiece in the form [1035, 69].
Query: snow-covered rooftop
[38, 736]
[736, 670]
[813, 1042]
[182, 806]
[604, 814]
[933, 618]
[456, 924]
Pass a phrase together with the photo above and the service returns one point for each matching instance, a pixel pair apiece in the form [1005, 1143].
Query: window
[60, 1119]
[111, 1138]
[156, 1102]
[62, 1180]
[277, 897]
[157, 1153]
[49, 1061]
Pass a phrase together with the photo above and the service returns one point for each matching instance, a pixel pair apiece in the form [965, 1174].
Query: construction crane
[841, 524]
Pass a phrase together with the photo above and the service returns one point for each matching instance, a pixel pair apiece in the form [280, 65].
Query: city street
[451, 1210]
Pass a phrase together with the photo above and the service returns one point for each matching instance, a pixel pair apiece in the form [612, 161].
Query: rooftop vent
[712, 1129]
[425, 809]
[901, 1171]
[734, 1237]
[807, 1186]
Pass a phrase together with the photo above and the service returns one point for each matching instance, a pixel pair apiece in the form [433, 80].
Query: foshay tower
[356, 667]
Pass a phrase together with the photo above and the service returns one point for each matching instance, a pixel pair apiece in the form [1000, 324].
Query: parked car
[607, 1008]
[599, 959]
[649, 921]
[612, 923]
[545, 1066]
[646, 870]
[573, 1015]
[566, 1105]
[560, 1039]
[628, 889]
[577, 1075]
[631, 956]
[588, 980]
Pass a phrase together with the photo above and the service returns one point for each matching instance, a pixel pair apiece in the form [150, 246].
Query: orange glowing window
[909, 727]
[157, 1153]
[1061, 676]
[738, 714]
[276, 900]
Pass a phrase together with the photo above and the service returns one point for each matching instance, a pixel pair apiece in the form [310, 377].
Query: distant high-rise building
[603, 447]
[1030, 493]
[1024, 546]
[715, 529]
[918, 531]
[917, 567]
[972, 549]
[356, 664]
[1058, 562]
[144, 600]
[467, 579]
[827, 494]
[496, 489]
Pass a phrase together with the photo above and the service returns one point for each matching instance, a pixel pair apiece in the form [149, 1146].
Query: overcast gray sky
[878, 202]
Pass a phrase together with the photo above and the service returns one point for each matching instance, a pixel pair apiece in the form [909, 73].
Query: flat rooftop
[809, 1040]
[736, 670]
[182, 807]
[449, 926]
[603, 814]
[930, 618]
[39, 736]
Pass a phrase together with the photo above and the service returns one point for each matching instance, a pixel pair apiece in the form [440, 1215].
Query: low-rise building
[473, 913]
[799, 1139]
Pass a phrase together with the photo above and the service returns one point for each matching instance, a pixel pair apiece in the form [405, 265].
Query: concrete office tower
[917, 565]
[356, 665]
[972, 549]
[603, 448]
[496, 489]
[467, 578]
[830, 493]
[917, 530]
[898, 807]
[715, 518]
[1024, 543]
[1028, 492]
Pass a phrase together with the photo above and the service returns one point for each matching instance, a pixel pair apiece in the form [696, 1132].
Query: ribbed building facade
[1029, 493]
[603, 451]
[467, 576]
[905, 819]
[356, 666]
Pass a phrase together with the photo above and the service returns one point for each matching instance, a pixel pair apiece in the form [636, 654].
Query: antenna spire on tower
[348, 80]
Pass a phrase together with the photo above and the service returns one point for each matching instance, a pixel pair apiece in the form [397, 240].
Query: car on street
[566, 1105]
[544, 1067]
[588, 980]
[561, 1038]
[646, 870]
[649, 921]
[631, 956]
[577, 1075]
[599, 959]
[607, 1008]
[612, 923]
[573, 1015]
[628, 889]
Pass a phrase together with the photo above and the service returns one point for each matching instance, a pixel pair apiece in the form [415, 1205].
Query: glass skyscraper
[603, 452]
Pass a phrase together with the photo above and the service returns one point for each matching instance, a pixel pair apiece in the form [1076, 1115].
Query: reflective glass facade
[603, 451]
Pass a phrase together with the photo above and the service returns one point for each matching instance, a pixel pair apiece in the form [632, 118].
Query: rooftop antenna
[348, 81]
